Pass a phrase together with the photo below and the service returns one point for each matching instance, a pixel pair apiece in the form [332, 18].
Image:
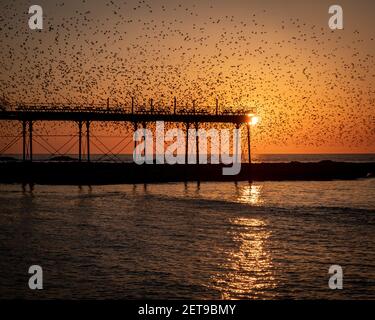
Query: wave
[224, 204]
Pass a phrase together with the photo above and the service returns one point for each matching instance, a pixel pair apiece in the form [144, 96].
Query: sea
[226, 240]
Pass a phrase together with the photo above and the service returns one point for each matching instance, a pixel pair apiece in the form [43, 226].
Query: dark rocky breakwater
[75, 173]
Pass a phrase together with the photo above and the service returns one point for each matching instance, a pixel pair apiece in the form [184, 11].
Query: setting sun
[254, 120]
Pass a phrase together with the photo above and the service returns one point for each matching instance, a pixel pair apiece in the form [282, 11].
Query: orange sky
[313, 88]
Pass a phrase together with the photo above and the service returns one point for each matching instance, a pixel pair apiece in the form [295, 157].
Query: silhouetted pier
[140, 116]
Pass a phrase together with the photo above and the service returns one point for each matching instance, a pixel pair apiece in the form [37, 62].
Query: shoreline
[100, 173]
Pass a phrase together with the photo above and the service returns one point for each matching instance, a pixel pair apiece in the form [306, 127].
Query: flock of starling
[311, 86]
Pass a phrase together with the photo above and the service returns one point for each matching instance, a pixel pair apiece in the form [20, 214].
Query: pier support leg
[31, 140]
[24, 140]
[132, 105]
[248, 144]
[249, 172]
[135, 124]
[174, 105]
[144, 125]
[80, 141]
[88, 140]
[197, 142]
[187, 143]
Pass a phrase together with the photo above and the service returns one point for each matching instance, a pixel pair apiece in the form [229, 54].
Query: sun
[254, 120]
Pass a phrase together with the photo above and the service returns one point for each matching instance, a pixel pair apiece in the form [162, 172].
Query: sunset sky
[313, 88]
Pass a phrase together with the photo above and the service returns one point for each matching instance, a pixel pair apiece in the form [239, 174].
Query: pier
[138, 116]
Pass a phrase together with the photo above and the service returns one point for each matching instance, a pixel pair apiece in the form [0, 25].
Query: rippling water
[210, 241]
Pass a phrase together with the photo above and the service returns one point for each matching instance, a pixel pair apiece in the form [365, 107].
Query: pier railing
[125, 109]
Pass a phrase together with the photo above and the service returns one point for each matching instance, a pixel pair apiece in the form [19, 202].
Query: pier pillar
[80, 141]
[174, 105]
[217, 106]
[144, 125]
[132, 105]
[24, 140]
[187, 143]
[135, 124]
[248, 143]
[88, 139]
[197, 142]
[31, 140]
[237, 144]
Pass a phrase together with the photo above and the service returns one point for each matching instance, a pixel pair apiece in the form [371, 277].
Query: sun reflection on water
[249, 267]
[250, 194]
